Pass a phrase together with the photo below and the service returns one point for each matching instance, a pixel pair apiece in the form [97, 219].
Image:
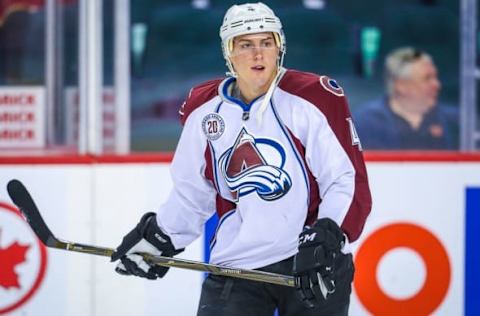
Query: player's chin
[262, 75]
[260, 72]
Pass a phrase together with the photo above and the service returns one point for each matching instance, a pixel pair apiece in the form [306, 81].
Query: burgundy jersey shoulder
[198, 96]
[322, 92]
[312, 87]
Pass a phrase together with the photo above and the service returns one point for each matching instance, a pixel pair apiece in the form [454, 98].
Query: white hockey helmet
[250, 18]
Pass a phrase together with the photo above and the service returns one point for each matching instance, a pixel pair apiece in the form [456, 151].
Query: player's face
[254, 58]
[422, 86]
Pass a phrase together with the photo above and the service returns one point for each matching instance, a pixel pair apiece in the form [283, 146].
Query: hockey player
[274, 153]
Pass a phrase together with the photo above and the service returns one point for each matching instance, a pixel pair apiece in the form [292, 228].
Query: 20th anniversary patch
[213, 126]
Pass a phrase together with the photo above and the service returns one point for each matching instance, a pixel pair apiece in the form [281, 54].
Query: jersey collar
[225, 89]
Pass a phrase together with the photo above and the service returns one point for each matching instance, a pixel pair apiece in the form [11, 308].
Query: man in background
[409, 117]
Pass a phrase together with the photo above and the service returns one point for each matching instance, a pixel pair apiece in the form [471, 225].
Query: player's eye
[267, 44]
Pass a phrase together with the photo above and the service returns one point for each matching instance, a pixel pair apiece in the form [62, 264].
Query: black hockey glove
[145, 237]
[314, 264]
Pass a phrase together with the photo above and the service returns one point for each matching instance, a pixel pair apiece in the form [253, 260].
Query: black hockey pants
[224, 296]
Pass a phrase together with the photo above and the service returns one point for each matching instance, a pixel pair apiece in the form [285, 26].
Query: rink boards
[418, 253]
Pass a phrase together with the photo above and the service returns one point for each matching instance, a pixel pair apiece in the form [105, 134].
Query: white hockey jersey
[265, 181]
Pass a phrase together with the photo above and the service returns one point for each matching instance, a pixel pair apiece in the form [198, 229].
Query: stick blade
[23, 200]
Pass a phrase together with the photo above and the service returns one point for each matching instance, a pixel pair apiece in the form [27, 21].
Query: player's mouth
[258, 68]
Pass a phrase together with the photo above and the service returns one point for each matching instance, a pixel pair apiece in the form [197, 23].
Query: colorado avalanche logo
[246, 170]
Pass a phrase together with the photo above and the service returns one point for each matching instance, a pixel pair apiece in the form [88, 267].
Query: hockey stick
[23, 200]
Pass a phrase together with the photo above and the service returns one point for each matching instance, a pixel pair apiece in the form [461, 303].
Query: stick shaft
[23, 200]
[253, 275]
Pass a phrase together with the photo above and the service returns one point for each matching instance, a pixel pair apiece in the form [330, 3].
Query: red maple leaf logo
[10, 257]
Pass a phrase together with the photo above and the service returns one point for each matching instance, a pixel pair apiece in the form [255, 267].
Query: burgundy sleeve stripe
[315, 199]
[222, 205]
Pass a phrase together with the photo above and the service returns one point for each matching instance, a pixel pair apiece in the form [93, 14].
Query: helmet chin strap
[268, 95]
